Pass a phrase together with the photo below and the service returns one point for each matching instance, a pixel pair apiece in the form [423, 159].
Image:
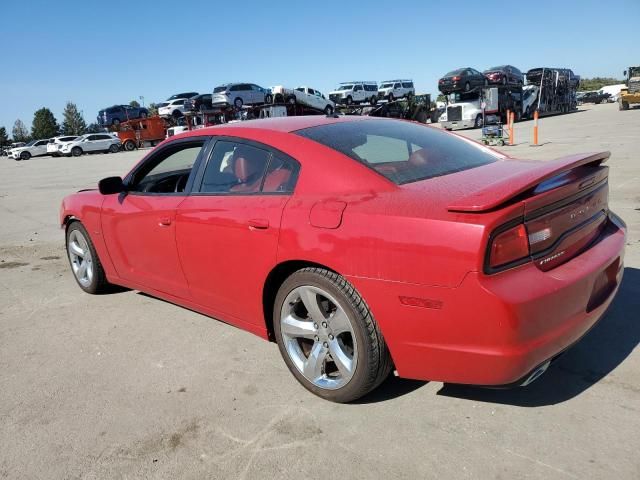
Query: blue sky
[98, 54]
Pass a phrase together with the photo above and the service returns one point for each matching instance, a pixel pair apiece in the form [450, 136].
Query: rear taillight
[509, 247]
[455, 79]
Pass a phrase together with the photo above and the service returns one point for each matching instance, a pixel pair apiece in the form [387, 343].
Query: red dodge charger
[362, 245]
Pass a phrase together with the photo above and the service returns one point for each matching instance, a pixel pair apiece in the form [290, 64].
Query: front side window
[245, 169]
[403, 152]
[168, 171]
[357, 88]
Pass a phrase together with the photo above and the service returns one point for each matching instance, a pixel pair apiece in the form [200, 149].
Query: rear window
[403, 152]
[220, 89]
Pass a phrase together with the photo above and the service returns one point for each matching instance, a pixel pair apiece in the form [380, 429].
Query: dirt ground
[128, 386]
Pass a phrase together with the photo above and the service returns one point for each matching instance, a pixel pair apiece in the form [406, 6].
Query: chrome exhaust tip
[536, 373]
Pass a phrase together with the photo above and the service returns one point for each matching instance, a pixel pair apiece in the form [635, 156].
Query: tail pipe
[536, 373]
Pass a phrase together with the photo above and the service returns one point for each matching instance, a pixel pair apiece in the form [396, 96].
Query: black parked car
[592, 97]
[505, 75]
[120, 113]
[461, 80]
[198, 103]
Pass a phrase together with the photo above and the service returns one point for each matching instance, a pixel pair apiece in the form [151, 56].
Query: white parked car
[355, 92]
[393, 89]
[172, 108]
[56, 142]
[304, 96]
[91, 143]
[32, 149]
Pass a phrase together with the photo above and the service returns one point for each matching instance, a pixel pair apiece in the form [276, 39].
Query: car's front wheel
[84, 261]
[114, 148]
[76, 151]
[328, 110]
[25, 155]
[328, 337]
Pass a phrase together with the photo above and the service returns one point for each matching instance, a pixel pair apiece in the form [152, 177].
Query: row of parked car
[241, 94]
[67, 145]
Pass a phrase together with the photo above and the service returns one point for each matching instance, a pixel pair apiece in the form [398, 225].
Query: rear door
[227, 230]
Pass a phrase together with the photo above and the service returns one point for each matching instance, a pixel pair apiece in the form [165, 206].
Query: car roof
[281, 124]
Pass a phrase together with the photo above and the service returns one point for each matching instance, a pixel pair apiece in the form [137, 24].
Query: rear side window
[403, 152]
[407, 84]
[370, 88]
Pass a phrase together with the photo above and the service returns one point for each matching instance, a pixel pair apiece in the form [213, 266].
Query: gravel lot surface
[129, 386]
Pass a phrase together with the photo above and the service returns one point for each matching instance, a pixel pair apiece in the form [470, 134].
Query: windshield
[495, 68]
[403, 152]
[220, 89]
[634, 72]
[345, 87]
[32, 142]
[386, 85]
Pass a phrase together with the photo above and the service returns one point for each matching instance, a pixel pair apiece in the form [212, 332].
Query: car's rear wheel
[114, 148]
[467, 87]
[84, 261]
[25, 155]
[268, 98]
[328, 337]
[129, 146]
[238, 102]
[291, 100]
[76, 151]
[328, 110]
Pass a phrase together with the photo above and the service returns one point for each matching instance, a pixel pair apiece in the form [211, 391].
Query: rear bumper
[494, 330]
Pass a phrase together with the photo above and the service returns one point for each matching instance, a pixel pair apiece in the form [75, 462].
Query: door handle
[164, 221]
[258, 224]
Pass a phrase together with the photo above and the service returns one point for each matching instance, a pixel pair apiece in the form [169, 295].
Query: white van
[393, 89]
[355, 92]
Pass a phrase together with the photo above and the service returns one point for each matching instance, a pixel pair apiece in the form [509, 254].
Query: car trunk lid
[565, 205]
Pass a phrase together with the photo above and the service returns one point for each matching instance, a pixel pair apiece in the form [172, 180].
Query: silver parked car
[239, 94]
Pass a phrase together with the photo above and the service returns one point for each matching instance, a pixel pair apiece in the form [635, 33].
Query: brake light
[456, 78]
[509, 246]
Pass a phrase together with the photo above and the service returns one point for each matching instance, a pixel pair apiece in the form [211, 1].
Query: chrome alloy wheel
[80, 256]
[318, 337]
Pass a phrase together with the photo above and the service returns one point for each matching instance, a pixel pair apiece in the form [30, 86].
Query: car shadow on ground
[589, 361]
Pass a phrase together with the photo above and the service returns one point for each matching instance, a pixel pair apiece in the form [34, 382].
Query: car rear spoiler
[505, 189]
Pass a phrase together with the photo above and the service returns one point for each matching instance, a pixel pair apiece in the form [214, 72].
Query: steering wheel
[181, 183]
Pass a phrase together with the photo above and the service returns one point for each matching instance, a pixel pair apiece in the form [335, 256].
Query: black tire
[328, 110]
[114, 148]
[129, 146]
[76, 151]
[478, 121]
[176, 114]
[622, 105]
[467, 87]
[238, 102]
[373, 361]
[349, 100]
[25, 155]
[292, 100]
[268, 98]
[99, 282]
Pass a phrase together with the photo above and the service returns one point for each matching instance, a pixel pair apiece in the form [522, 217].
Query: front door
[227, 230]
[139, 225]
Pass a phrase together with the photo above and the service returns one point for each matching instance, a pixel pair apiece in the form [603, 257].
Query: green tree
[20, 132]
[4, 138]
[153, 109]
[134, 103]
[73, 123]
[44, 124]
[589, 84]
[94, 128]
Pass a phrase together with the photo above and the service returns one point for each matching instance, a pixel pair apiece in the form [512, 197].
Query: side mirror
[624, 74]
[110, 185]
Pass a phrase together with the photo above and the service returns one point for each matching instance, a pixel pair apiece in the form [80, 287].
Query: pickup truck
[304, 96]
